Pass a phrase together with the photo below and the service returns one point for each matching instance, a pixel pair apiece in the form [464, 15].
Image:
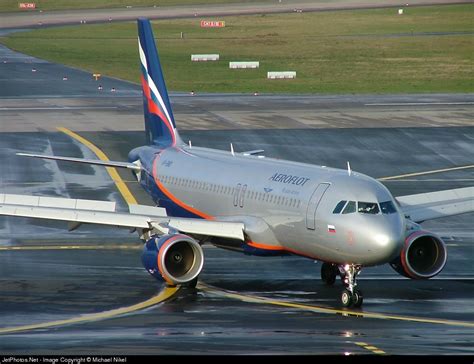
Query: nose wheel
[351, 296]
[354, 299]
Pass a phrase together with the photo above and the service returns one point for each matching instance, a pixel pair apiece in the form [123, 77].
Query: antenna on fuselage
[232, 149]
[190, 145]
[349, 171]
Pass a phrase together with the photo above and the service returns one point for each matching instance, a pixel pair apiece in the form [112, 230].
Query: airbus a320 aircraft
[254, 205]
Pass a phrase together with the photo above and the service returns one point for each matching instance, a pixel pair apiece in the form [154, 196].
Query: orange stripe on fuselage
[174, 198]
[264, 246]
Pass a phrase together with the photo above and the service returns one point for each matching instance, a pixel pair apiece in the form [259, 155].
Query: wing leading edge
[434, 205]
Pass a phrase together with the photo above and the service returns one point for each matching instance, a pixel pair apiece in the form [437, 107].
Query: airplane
[252, 204]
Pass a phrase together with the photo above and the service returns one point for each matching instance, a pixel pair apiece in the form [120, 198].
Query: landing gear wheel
[351, 296]
[346, 298]
[328, 273]
[357, 298]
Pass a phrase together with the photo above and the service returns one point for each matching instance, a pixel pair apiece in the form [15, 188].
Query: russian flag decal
[331, 229]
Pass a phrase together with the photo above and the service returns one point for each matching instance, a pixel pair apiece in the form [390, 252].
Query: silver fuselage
[285, 206]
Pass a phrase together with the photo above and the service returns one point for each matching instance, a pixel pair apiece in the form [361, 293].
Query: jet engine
[176, 259]
[422, 257]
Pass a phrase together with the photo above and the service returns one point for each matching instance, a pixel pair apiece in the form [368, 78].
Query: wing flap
[433, 205]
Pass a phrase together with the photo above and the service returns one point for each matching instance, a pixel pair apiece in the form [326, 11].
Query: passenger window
[339, 207]
[350, 208]
[387, 207]
[368, 208]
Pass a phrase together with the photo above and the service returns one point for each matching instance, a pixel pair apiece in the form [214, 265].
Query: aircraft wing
[97, 162]
[433, 205]
[76, 212]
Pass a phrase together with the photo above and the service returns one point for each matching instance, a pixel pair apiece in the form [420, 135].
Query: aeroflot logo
[289, 179]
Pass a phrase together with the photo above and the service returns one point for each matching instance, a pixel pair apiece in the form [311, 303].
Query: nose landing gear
[351, 296]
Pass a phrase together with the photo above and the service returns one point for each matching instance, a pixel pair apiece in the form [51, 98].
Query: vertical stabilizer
[159, 121]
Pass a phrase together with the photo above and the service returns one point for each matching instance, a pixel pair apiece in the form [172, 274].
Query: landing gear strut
[351, 295]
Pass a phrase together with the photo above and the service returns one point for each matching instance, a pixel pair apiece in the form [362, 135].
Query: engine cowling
[176, 259]
[423, 256]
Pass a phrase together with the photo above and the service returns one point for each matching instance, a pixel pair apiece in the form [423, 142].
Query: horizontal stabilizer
[97, 162]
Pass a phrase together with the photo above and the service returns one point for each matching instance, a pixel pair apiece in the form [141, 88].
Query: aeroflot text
[289, 179]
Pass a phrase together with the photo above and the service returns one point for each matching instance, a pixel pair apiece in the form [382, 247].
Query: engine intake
[422, 257]
[176, 259]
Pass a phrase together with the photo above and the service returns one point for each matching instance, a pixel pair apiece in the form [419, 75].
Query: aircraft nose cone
[388, 246]
[389, 241]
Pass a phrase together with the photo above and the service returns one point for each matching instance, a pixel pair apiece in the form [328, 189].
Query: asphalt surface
[399, 134]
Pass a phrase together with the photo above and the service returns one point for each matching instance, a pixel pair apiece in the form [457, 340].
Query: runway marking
[372, 348]
[319, 309]
[165, 294]
[420, 103]
[71, 247]
[122, 187]
[426, 172]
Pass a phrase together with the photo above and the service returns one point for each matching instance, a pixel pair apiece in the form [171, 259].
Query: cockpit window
[350, 208]
[387, 207]
[368, 208]
[339, 207]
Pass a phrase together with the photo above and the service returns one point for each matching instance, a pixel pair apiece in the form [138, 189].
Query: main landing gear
[351, 296]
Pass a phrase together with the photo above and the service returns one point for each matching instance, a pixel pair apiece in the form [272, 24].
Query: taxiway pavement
[48, 274]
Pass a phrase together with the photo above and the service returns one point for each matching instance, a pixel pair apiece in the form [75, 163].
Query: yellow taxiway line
[425, 173]
[372, 348]
[160, 297]
[319, 309]
[122, 187]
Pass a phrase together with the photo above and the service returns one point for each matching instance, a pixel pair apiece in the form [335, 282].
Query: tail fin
[159, 121]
